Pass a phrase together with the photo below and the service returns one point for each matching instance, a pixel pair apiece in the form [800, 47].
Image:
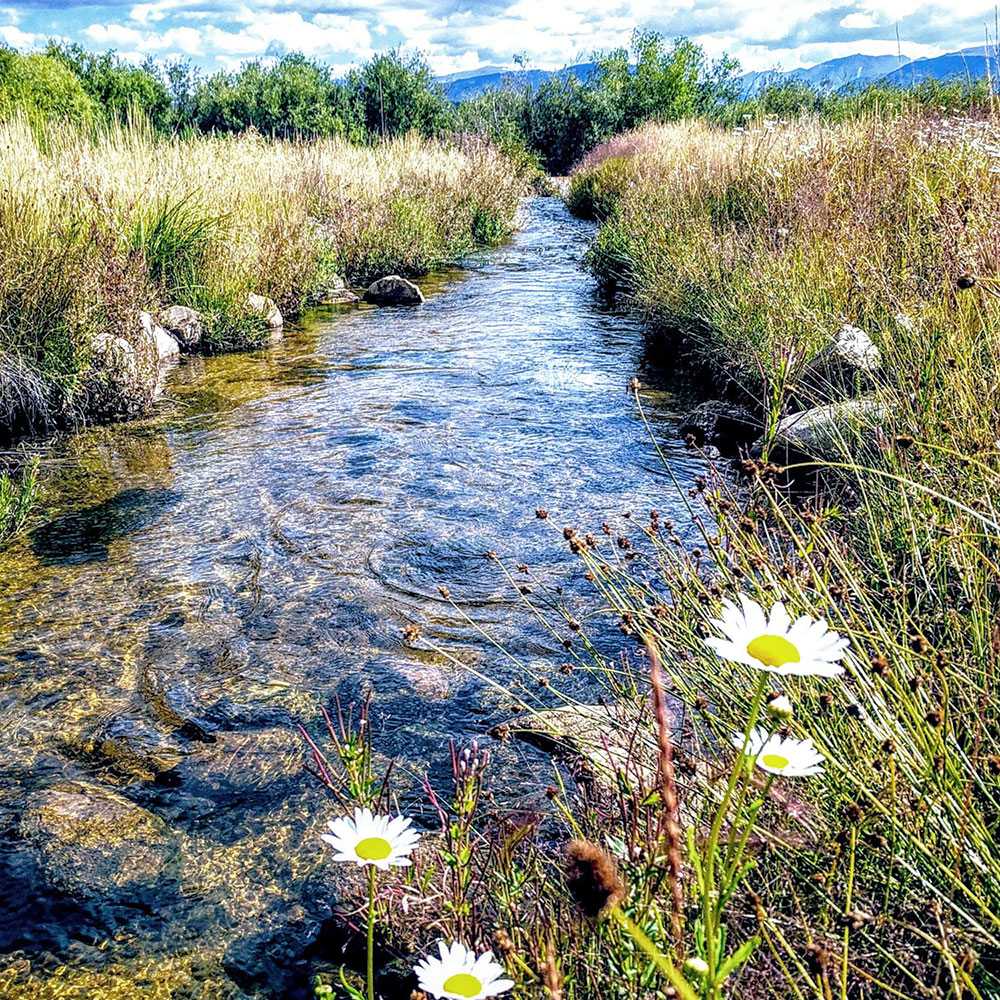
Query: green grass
[18, 493]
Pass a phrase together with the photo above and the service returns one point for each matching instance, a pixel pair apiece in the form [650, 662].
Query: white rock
[267, 309]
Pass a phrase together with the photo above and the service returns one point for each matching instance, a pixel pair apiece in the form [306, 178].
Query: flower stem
[711, 917]
[371, 932]
[665, 966]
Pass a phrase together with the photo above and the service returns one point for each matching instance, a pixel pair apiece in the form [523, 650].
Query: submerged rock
[93, 842]
[393, 291]
[723, 425]
[604, 738]
[332, 292]
[267, 309]
[136, 748]
[184, 324]
[828, 431]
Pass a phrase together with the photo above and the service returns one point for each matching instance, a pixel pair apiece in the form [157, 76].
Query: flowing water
[216, 573]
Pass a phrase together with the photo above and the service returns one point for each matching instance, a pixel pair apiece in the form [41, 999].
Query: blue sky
[460, 35]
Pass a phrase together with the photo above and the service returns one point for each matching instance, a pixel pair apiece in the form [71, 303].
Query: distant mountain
[833, 74]
[968, 63]
[459, 86]
[830, 75]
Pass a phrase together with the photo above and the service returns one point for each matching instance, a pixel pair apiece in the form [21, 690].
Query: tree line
[555, 122]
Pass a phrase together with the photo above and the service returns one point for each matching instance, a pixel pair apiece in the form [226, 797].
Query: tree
[395, 94]
[43, 88]
[116, 87]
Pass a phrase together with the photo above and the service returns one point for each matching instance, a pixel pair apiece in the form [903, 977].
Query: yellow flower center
[463, 984]
[373, 849]
[773, 650]
[774, 760]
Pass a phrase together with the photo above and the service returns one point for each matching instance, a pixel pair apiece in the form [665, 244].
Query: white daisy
[793, 758]
[459, 975]
[775, 643]
[383, 841]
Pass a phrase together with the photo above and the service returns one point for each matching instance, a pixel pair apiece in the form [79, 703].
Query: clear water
[214, 574]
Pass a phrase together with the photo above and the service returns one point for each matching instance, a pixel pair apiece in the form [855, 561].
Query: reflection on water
[216, 573]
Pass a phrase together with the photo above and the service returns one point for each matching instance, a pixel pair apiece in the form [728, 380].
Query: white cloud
[859, 20]
[14, 37]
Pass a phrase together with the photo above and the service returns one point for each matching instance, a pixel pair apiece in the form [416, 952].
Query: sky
[461, 35]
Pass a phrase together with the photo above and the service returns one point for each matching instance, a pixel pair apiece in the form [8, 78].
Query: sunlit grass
[94, 229]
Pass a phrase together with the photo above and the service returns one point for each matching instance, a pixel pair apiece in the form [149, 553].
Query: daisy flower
[460, 975]
[382, 841]
[793, 758]
[775, 643]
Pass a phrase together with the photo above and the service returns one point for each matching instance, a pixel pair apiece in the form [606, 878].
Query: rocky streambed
[214, 575]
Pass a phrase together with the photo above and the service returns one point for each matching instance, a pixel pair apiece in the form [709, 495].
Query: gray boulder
[184, 324]
[93, 842]
[830, 430]
[722, 425]
[848, 362]
[332, 293]
[267, 309]
[393, 291]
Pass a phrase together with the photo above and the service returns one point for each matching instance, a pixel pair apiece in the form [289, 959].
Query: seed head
[502, 942]
[817, 959]
[779, 707]
[592, 878]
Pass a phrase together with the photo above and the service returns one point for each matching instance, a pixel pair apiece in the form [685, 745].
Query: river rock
[184, 324]
[826, 431]
[723, 425]
[333, 291]
[138, 749]
[393, 291]
[602, 737]
[267, 309]
[92, 842]
[164, 344]
[122, 376]
[850, 360]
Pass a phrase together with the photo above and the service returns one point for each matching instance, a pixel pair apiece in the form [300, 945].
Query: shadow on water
[83, 536]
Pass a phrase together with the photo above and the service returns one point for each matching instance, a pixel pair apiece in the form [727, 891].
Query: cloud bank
[458, 35]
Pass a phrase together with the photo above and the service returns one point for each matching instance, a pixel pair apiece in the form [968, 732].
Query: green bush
[42, 88]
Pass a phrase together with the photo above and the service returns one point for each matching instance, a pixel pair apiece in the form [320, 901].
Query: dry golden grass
[93, 230]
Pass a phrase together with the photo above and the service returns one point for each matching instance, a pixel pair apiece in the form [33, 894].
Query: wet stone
[137, 748]
[92, 842]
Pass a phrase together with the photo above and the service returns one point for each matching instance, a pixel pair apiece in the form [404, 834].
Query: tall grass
[93, 230]
[754, 248]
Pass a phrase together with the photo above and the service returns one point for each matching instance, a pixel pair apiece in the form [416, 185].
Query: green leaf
[737, 958]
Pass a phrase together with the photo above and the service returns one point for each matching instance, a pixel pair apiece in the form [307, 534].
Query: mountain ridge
[832, 74]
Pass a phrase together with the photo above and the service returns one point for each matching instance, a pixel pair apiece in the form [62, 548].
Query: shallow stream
[214, 574]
